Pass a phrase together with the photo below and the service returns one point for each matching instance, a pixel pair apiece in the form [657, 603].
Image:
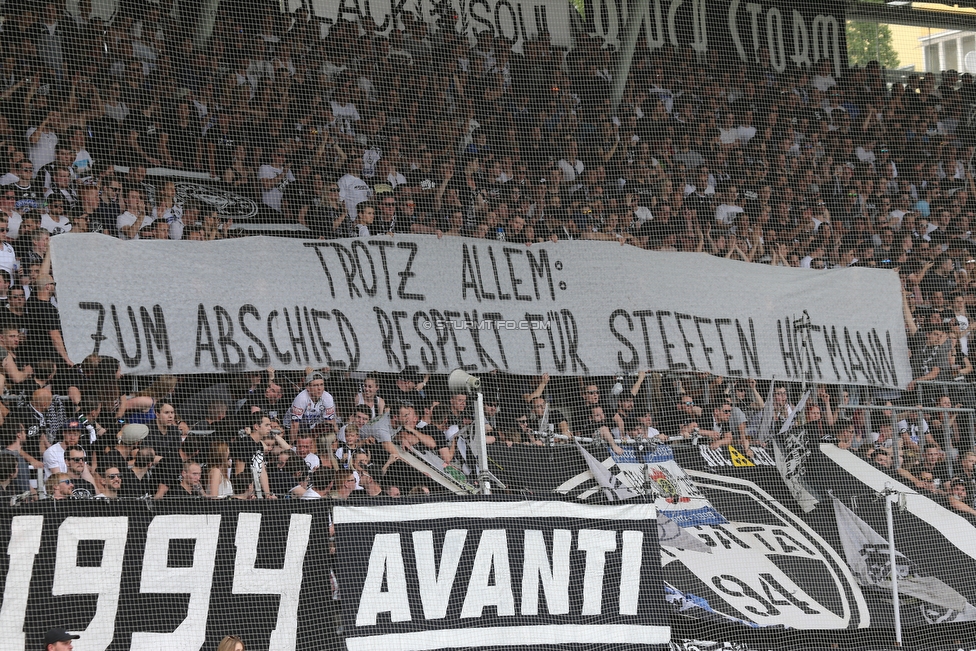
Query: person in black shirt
[248, 452]
[164, 437]
[77, 466]
[109, 209]
[33, 416]
[121, 456]
[15, 313]
[189, 485]
[111, 483]
[220, 143]
[437, 428]
[8, 476]
[184, 138]
[44, 325]
[142, 480]
[405, 389]
[146, 139]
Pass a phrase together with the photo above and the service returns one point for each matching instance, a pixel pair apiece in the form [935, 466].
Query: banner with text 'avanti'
[540, 574]
[382, 303]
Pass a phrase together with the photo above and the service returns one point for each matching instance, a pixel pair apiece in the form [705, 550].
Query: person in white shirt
[134, 218]
[745, 131]
[727, 211]
[728, 132]
[344, 112]
[313, 408]
[43, 140]
[54, 460]
[572, 167]
[353, 190]
[274, 179]
[8, 257]
[7, 213]
[82, 163]
[823, 80]
[816, 253]
[865, 152]
[53, 220]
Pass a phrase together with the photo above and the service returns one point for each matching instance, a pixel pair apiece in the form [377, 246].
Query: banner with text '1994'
[383, 303]
[500, 574]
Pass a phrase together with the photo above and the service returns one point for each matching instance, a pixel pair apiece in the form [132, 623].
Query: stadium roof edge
[953, 17]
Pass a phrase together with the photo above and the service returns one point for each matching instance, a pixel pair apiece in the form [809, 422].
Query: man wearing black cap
[58, 639]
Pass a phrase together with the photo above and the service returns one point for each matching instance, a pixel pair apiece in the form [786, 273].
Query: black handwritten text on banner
[500, 573]
[380, 304]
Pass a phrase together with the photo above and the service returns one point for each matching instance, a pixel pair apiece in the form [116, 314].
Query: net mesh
[766, 134]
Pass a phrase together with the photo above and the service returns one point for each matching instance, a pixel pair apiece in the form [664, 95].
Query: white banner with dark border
[383, 303]
[500, 574]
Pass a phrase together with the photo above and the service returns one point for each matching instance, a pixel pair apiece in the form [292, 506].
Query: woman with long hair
[231, 643]
[103, 375]
[218, 476]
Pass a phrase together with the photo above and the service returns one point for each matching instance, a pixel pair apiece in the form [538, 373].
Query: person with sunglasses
[720, 433]
[80, 477]
[111, 484]
[53, 218]
[59, 486]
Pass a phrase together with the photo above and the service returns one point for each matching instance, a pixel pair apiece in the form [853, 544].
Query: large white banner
[382, 303]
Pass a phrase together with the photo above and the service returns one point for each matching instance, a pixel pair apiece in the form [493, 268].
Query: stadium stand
[127, 129]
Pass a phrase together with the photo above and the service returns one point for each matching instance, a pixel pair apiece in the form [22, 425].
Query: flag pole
[889, 495]
[482, 434]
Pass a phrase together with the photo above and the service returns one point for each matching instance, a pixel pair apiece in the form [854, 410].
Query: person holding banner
[782, 409]
[720, 433]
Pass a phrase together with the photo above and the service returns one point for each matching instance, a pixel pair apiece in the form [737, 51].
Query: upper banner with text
[794, 34]
[380, 304]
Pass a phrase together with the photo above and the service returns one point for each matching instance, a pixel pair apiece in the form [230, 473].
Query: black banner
[498, 573]
[175, 574]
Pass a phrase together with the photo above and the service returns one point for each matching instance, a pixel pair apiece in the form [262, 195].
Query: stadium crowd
[419, 131]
